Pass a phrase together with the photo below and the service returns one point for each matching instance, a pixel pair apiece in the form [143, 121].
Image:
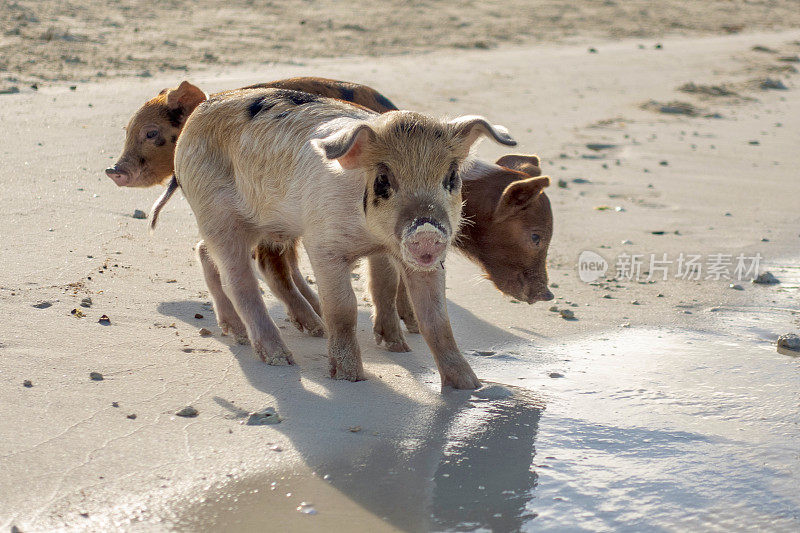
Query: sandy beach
[663, 405]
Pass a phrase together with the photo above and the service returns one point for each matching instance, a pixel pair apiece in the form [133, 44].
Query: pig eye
[452, 181]
[151, 134]
[382, 186]
[535, 238]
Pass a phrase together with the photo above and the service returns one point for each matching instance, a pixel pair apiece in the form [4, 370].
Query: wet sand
[70, 459]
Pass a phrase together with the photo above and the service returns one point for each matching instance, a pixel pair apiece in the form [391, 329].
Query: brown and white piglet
[272, 166]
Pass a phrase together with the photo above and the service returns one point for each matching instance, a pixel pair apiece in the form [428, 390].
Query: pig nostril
[112, 171]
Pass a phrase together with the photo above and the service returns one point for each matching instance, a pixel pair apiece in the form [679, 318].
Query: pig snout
[424, 244]
[543, 295]
[118, 176]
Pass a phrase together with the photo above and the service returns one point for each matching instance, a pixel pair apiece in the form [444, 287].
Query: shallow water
[639, 430]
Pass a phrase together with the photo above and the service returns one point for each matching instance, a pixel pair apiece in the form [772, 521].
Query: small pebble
[276, 448]
[138, 213]
[95, 376]
[736, 287]
[42, 305]
[86, 302]
[205, 332]
[354, 429]
[264, 417]
[188, 412]
[554, 309]
[131, 416]
[104, 320]
[766, 278]
[626, 241]
[198, 316]
[555, 375]
[567, 314]
[114, 404]
[27, 383]
[789, 343]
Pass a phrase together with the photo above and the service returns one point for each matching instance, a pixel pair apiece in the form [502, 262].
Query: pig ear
[347, 146]
[185, 97]
[529, 164]
[518, 195]
[472, 127]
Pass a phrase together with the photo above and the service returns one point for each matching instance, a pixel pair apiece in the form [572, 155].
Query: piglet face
[515, 255]
[412, 189]
[151, 135]
[511, 232]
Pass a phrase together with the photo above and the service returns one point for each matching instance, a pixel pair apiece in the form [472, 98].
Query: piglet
[275, 165]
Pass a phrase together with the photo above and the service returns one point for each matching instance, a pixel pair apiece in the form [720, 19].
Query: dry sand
[71, 459]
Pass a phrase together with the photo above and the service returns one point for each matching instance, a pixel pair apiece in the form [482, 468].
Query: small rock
[770, 83]
[86, 302]
[658, 232]
[138, 213]
[567, 314]
[95, 376]
[104, 320]
[131, 416]
[789, 344]
[580, 180]
[736, 287]
[27, 384]
[663, 163]
[198, 316]
[10, 90]
[597, 147]
[754, 143]
[562, 184]
[626, 241]
[554, 309]
[658, 46]
[484, 353]
[205, 332]
[766, 278]
[188, 412]
[264, 417]
[276, 448]
[764, 49]
[114, 404]
[764, 239]
[77, 313]
[555, 375]
[354, 429]
[592, 50]
[42, 305]
[635, 302]
[789, 59]
[554, 285]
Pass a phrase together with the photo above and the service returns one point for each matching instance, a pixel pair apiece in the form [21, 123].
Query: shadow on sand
[422, 460]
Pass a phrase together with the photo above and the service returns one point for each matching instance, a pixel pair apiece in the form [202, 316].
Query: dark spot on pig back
[296, 97]
[384, 102]
[346, 93]
[258, 105]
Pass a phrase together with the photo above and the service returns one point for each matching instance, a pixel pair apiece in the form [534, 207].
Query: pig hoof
[411, 323]
[313, 326]
[461, 379]
[346, 371]
[239, 336]
[275, 357]
[390, 334]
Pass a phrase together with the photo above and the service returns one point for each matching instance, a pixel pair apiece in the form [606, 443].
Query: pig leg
[340, 312]
[232, 255]
[405, 309]
[273, 263]
[227, 318]
[301, 284]
[426, 289]
[383, 279]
